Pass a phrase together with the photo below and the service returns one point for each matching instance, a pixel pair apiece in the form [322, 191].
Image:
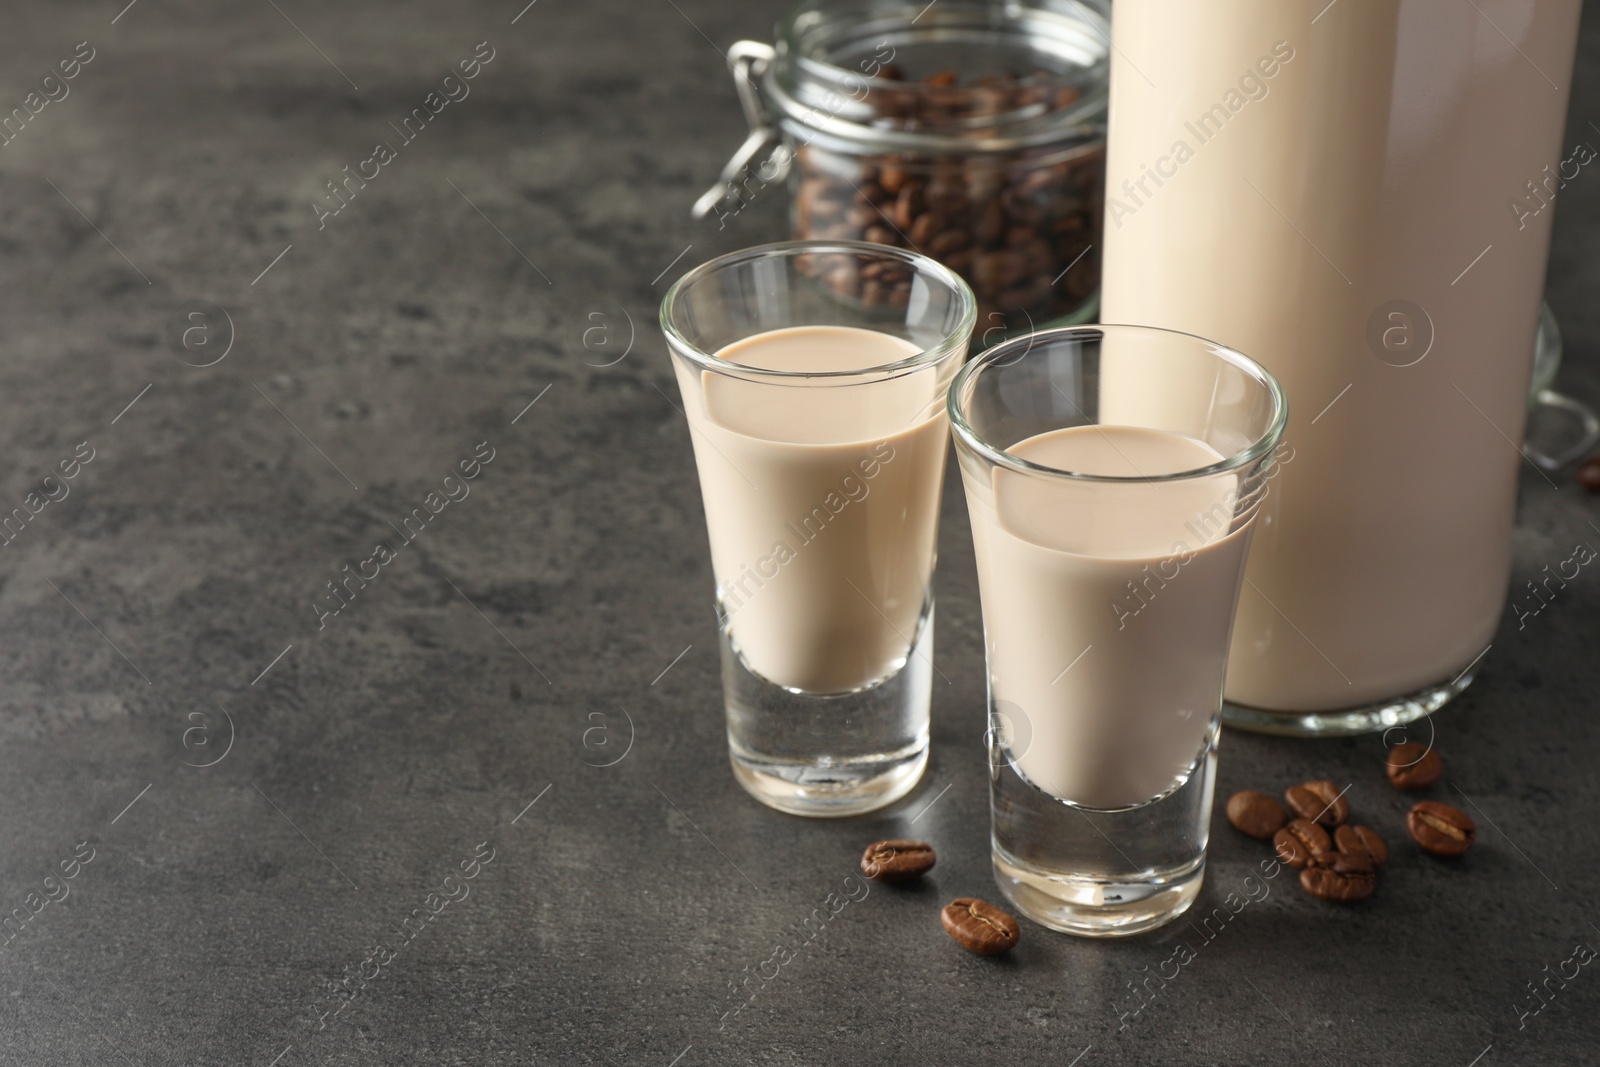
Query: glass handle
[1587, 439]
[749, 60]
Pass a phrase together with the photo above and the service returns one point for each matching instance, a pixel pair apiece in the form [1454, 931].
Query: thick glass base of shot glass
[1098, 873]
[830, 755]
[1381, 716]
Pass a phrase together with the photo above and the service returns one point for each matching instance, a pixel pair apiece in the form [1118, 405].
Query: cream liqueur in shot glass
[1113, 478]
[816, 409]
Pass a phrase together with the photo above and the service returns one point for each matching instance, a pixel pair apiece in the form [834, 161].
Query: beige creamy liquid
[1106, 610]
[1364, 158]
[821, 499]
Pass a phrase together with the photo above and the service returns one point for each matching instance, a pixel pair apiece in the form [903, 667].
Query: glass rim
[952, 340]
[969, 437]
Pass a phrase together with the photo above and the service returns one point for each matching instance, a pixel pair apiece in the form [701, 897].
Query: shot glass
[814, 377]
[1113, 476]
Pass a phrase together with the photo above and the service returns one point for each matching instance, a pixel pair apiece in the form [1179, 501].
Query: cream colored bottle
[1358, 195]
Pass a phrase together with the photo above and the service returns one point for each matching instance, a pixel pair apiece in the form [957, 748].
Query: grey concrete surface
[164, 610]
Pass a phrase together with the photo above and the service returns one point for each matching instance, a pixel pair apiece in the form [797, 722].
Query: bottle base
[1093, 907]
[1371, 718]
[825, 789]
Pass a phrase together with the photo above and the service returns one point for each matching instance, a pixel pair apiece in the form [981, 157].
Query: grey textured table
[166, 609]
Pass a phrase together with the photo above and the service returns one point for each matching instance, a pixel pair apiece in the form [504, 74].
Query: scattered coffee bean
[1343, 862]
[1256, 813]
[1413, 765]
[1342, 886]
[979, 926]
[1589, 474]
[1320, 801]
[1298, 842]
[897, 861]
[1361, 839]
[1441, 829]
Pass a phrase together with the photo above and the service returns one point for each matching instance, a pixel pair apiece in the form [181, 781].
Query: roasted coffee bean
[1320, 801]
[1298, 842]
[997, 271]
[1256, 813]
[1018, 236]
[991, 225]
[1022, 209]
[1039, 181]
[949, 199]
[979, 926]
[1413, 765]
[1589, 474]
[1036, 258]
[897, 861]
[1070, 225]
[1362, 839]
[908, 206]
[924, 228]
[1343, 862]
[1441, 829]
[1341, 887]
[985, 180]
[947, 242]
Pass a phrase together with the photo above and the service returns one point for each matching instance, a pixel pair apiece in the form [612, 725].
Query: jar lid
[951, 76]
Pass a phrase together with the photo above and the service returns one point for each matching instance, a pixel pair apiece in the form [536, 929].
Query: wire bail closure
[749, 61]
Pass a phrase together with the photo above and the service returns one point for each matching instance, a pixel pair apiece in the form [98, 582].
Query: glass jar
[969, 131]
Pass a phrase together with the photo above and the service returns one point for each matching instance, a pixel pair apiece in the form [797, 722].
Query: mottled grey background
[622, 908]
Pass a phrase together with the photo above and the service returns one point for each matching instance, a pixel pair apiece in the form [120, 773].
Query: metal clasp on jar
[749, 60]
[1571, 427]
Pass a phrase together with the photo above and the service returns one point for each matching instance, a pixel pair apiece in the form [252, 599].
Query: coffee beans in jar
[1023, 230]
[970, 132]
